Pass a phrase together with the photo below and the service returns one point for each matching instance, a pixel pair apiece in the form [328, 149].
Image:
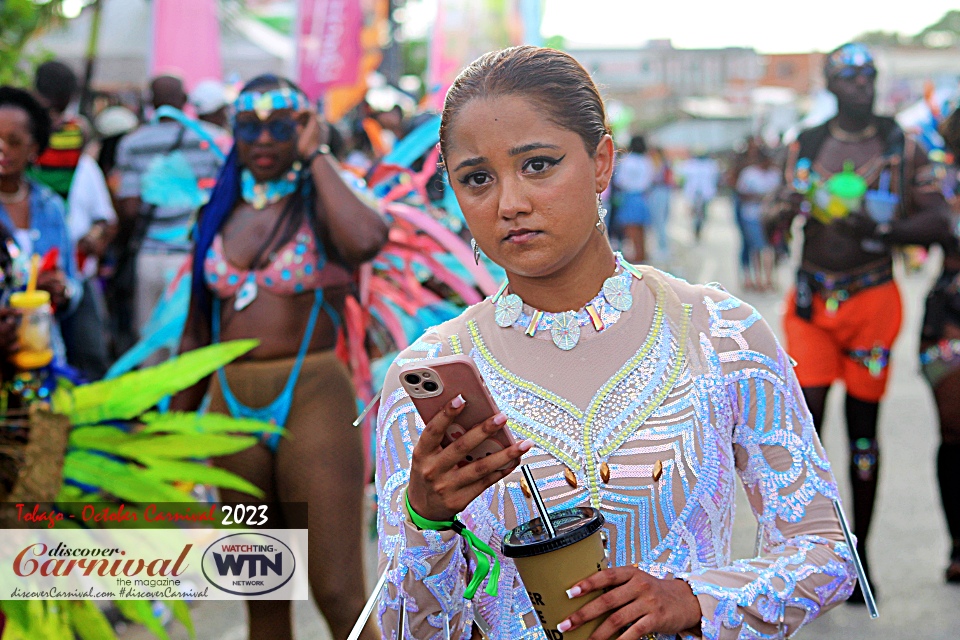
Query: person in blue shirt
[33, 214]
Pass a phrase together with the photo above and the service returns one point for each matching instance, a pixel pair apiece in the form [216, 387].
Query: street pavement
[908, 545]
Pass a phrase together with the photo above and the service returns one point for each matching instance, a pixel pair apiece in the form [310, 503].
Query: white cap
[114, 121]
[208, 96]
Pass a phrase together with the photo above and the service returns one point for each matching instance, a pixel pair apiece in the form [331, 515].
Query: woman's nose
[513, 199]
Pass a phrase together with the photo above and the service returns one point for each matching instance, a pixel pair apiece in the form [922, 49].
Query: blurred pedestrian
[658, 199]
[845, 313]
[940, 359]
[91, 219]
[701, 176]
[34, 215]
[154, 238]
[111, 125]
[741, 160]
[276, 254]
[755, 182]
[633, 178]
[209, 99]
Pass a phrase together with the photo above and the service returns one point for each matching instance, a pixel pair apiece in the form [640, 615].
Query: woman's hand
[636, 601]
[54, 282]
[440, 486]
[314, 133]
[96, 241]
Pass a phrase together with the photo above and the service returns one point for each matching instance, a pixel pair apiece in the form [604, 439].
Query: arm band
[485, 555]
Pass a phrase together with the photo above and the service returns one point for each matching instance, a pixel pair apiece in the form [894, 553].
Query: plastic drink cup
[549, 566]
[34, 332]
[881, 205]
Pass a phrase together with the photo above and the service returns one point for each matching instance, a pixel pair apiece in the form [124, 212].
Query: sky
[770, 26]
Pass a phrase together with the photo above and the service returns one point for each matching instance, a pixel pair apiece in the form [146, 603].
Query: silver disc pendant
[246, 294]
[617, 292]
[508, 310]
[565, 330]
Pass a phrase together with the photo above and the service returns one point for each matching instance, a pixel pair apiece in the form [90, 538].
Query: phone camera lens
[412, 378]
[430, 386]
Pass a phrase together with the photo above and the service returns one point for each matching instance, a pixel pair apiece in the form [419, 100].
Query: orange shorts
[851, 344]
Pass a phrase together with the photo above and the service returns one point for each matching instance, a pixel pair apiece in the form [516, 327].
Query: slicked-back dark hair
[40, 123]
[553, 79]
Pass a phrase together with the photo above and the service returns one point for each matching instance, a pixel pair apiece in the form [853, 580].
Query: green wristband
[483, 551]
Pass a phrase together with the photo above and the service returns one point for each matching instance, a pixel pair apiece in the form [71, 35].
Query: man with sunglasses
[845, 312]
[154, 238]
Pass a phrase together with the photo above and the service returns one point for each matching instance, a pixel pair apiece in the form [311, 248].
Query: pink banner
[328, 44]
[465, 29]
[186, 40]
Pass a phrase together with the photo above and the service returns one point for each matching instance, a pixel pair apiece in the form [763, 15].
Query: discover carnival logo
[248, 564]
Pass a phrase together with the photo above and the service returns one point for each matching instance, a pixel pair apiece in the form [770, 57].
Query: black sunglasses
[849, 73]
[281, 130]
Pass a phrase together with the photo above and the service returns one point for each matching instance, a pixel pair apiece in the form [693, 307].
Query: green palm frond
[157, 445]
[128, 396]
[177, 471]
[141, 612]
[125, 481]
[206, 423]
[30, 619]
[182, 613]
[87, 621]
[149, 457]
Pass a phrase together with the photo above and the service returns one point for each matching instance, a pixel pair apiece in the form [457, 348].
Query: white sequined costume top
[691, 381]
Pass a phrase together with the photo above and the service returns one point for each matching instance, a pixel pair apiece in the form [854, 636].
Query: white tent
[248, 48]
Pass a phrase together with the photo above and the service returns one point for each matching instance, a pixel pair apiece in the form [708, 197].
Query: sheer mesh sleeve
[427, 569]
[805, 567]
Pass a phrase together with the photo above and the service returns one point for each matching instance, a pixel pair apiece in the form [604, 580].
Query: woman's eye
[476, 179]
[538, 165]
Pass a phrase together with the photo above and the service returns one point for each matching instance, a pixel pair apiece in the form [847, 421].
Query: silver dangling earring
[476, 251]
[601, 215]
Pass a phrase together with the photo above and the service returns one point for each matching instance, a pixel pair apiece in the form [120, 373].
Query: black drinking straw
[537, 500]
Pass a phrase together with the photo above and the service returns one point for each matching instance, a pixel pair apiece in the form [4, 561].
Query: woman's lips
[521, 236]
[264, 161]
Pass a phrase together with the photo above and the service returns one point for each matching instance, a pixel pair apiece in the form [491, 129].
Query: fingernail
[458, 402]
[499, 419]
[526, 445]
[573, 592]
[564, 626]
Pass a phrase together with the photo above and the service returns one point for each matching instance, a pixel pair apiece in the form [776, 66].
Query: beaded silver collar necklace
[604, 310]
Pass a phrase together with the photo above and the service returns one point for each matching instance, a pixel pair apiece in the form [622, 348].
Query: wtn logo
[258, 564]
[248, 564]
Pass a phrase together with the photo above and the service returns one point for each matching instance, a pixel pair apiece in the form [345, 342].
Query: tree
[942, 33]
[20, 20]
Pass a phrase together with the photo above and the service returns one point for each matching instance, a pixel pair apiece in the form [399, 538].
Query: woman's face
[527, 186]
[17, 147]
[267, 148]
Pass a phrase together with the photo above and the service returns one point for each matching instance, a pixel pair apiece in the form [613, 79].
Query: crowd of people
[262, 204]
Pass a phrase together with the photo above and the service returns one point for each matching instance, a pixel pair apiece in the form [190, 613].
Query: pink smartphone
[433, 383]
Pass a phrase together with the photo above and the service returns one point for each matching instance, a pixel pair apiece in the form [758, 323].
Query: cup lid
[532, 538]
[29, 299]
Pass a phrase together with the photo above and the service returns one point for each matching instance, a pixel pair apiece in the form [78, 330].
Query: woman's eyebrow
[515, 151]
[471, 162]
